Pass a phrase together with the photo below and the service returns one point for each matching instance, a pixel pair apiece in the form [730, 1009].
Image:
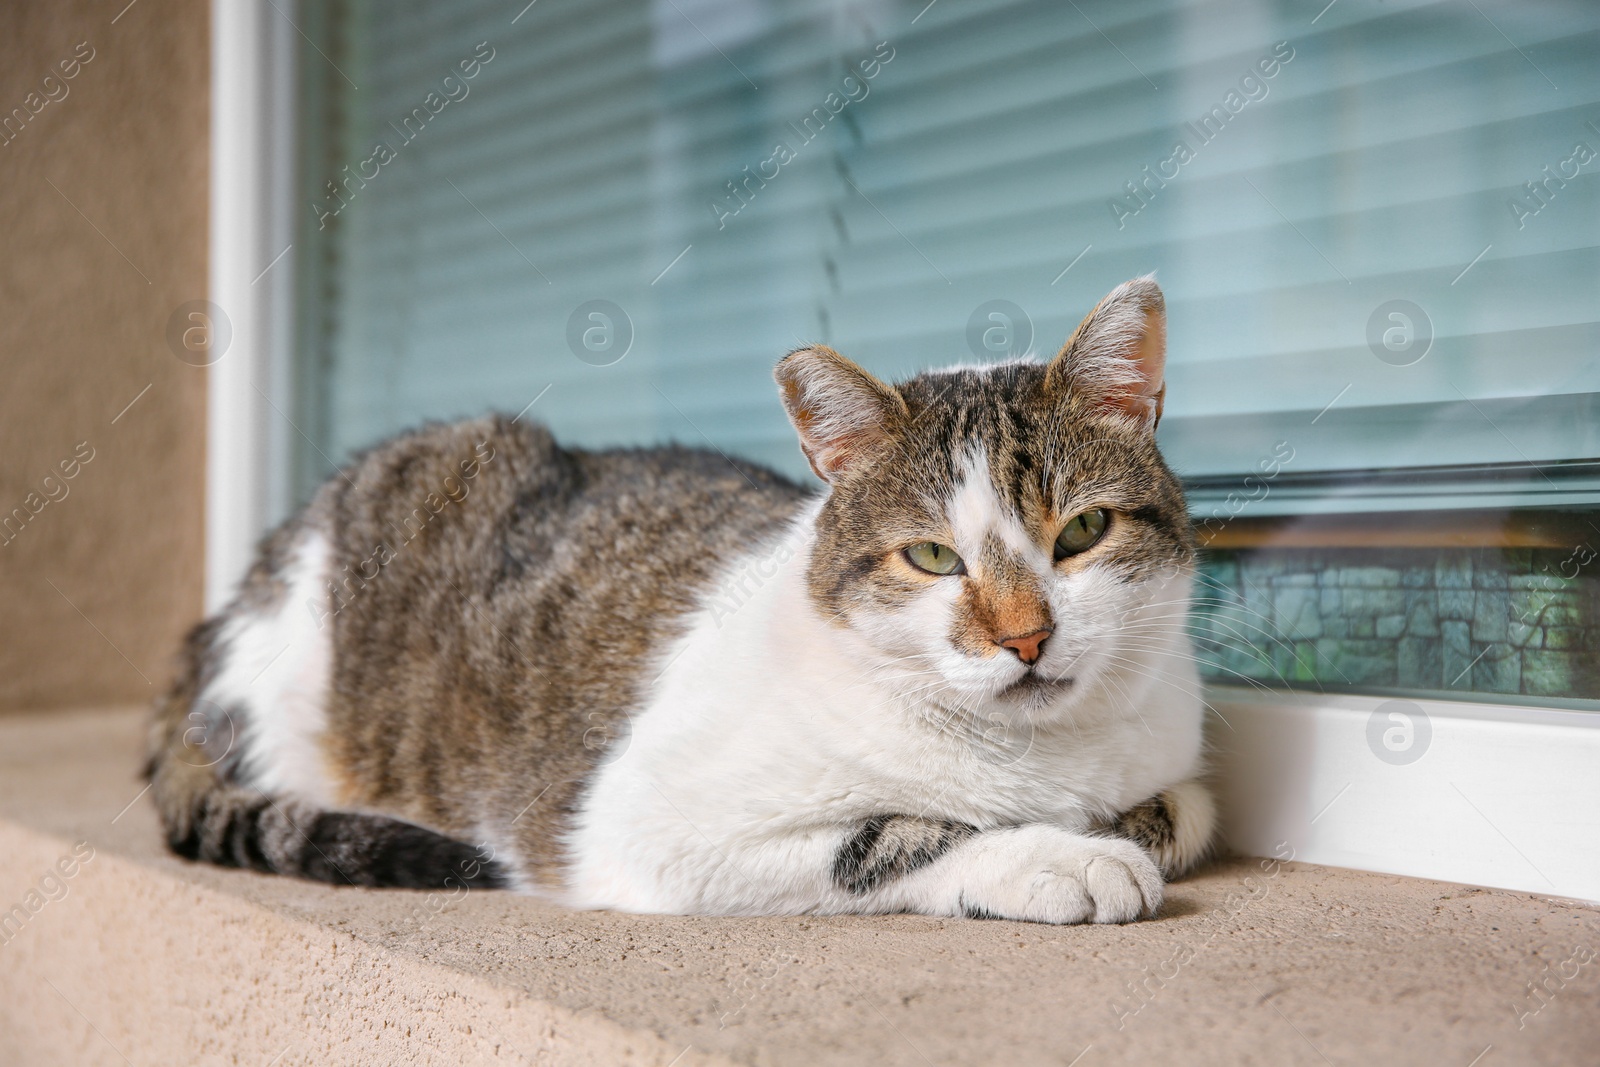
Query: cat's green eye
[934, 558]
[1081, 532]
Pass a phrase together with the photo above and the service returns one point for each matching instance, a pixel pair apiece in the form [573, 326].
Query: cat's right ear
[1117, 357]
[843, 415]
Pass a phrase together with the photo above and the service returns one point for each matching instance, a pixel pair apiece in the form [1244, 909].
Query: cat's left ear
[1118, 355]
[843, 415]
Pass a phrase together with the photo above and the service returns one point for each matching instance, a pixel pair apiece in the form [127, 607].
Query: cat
[955, 681]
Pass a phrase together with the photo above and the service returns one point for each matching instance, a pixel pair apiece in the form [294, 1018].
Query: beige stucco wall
[97, 587]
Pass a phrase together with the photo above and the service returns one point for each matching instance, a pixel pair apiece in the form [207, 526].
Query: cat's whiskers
[1266, 629]
[1160, 644]
[1243, 678]
[1248, 680]
[1134, 667]
[1244, 645]
[1120, 684]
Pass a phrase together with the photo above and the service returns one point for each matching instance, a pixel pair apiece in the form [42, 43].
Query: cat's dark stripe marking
[187, 846]
[892, 846]
[973, 911]
[247, 847]
[237, 828]
[371, 850]
[1148, 824]
[853, 853]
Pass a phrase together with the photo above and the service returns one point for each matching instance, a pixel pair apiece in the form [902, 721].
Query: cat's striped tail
[210, 816]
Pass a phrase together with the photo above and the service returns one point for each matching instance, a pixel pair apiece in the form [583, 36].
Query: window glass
[1377, 226]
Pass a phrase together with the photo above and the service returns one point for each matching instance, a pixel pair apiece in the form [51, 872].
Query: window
[1378, 229]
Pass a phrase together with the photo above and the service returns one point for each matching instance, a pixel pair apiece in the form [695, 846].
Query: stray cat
[956, 681]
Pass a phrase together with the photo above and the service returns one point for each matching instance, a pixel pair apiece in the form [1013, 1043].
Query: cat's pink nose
[1027, 646]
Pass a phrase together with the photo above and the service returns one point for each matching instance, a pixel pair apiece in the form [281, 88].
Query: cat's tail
[208, 815]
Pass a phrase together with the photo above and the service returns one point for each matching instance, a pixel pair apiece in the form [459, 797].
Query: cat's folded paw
[1043, 874]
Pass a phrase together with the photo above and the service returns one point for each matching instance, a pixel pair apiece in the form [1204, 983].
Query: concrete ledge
[142, 958]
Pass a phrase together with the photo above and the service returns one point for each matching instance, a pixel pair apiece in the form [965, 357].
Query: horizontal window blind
[1378, 228]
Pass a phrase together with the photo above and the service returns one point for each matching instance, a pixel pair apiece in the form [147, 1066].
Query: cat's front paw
[1048, 875]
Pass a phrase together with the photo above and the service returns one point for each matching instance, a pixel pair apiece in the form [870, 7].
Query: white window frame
[249, 438]
[1506, 796]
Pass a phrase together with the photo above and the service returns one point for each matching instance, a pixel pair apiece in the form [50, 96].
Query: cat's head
[1006, 534]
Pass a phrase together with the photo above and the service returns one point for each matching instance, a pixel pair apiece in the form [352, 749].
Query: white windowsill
[1503, 796]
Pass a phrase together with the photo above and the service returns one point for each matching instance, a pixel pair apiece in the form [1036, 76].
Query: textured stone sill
[158, 961]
